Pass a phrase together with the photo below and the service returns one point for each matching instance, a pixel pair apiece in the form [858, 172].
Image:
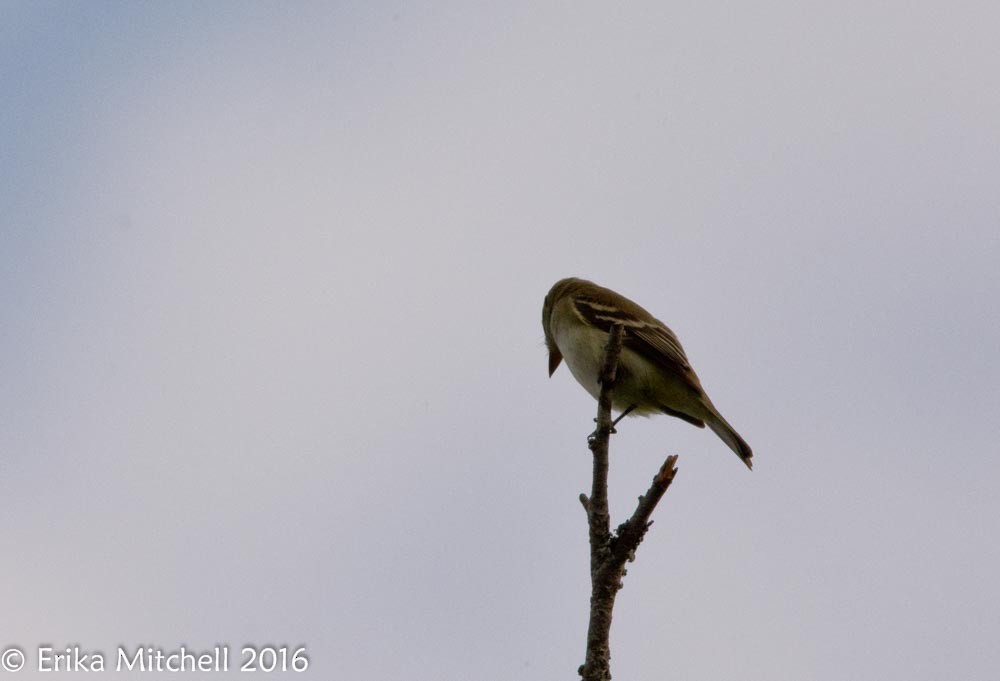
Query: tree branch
[598, 513]
[608, 554]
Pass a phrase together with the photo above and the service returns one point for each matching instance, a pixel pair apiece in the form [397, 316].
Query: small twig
[629, 534]
[608, 554]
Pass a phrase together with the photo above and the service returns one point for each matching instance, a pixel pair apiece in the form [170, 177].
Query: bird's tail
[729, 435]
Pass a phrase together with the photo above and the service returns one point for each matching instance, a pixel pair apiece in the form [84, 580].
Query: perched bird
[654, 375]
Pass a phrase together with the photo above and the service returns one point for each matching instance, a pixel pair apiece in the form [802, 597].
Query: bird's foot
[597, 431]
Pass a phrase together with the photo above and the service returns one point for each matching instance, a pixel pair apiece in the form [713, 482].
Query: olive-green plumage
[654, 375]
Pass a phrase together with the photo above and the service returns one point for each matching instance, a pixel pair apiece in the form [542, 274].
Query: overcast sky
[271, 361]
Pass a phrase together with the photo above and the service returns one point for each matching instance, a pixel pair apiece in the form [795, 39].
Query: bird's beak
[555, 357]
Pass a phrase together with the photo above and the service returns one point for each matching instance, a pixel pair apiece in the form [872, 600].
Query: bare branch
[598, 514]
[608, 554]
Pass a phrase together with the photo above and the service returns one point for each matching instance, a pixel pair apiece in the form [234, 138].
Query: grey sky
[272, 362]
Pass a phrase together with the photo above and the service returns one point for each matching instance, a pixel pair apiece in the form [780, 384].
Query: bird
[654, 374]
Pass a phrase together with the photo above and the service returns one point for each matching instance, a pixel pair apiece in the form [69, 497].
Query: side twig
[609, 553]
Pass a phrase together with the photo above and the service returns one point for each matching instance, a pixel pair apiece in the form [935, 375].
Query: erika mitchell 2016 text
[143, 659]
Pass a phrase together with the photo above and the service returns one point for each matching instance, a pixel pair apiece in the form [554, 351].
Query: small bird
[654, 375]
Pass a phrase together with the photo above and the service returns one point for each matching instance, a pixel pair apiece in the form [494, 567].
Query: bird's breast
[582, 348]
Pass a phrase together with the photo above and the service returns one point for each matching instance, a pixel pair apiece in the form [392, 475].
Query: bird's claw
[597, 431]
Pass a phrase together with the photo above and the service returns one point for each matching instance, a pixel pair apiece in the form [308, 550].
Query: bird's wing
[646, 335]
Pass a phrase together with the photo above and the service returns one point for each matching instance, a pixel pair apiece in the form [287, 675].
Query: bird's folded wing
[647, 336]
